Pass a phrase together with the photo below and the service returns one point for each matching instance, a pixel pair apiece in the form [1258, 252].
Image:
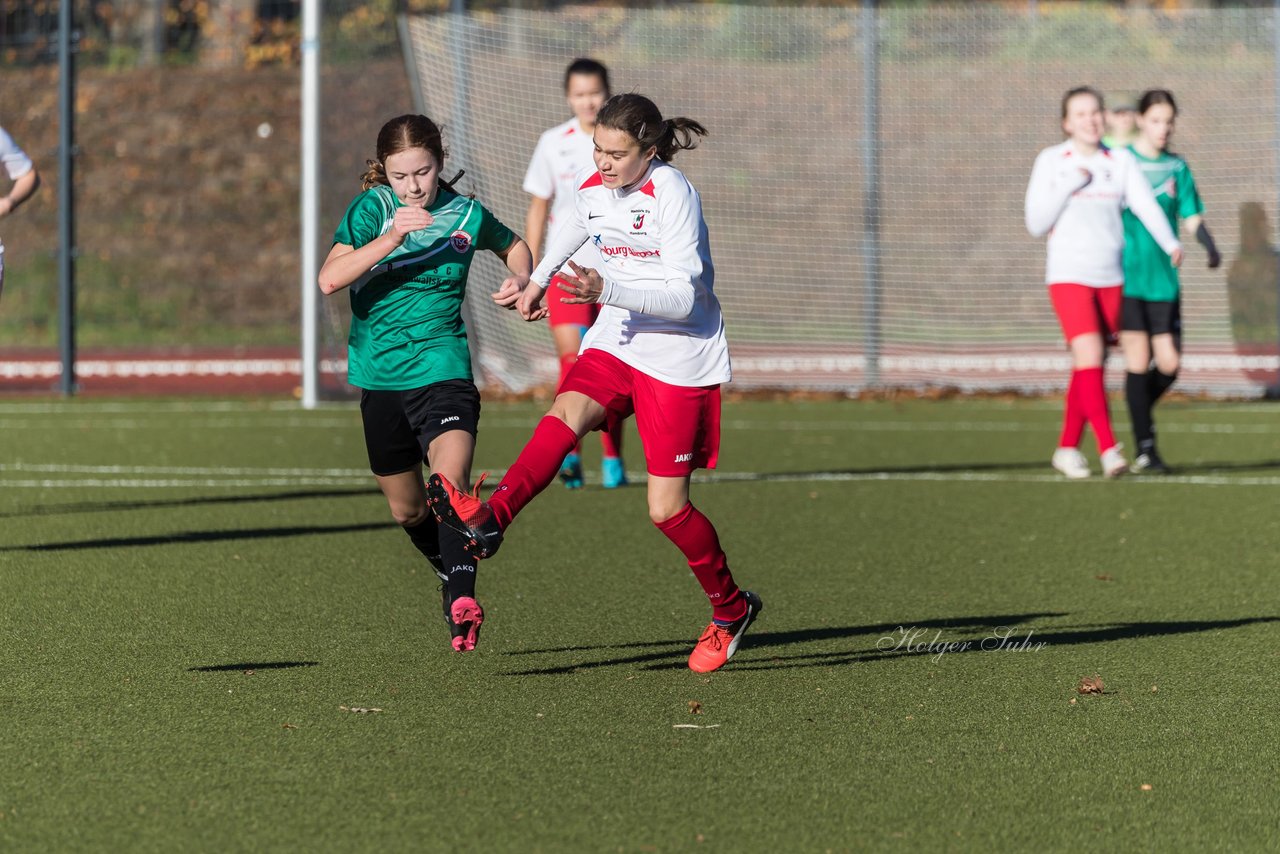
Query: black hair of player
[1080, 90]
[1152, 97]
[588, 67]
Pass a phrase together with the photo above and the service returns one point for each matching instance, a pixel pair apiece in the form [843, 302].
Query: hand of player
[530, 303]
[408, 220]
[512, 287]
[586, 287]
[6, 206]
[1176, 257]
[1215, 259]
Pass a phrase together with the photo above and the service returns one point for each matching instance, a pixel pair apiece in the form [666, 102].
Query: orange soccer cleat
[720, 641]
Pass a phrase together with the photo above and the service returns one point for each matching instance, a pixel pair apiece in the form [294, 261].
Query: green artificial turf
[193, 591]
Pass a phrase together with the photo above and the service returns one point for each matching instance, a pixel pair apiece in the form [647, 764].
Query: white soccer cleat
[1071, 463]
[1113, 462]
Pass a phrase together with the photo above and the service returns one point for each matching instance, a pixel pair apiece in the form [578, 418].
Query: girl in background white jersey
[563, 152]
[658, 350]
[1077, 192]
[22, 172]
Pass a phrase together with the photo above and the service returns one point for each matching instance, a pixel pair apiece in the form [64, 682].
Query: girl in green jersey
[1151, 316]
[404, 249]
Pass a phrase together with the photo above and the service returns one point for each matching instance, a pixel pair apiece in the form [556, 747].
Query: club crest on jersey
[637, 221]
[460, 241]
[1170, 188]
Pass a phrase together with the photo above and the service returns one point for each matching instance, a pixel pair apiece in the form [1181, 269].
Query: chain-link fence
[932, 279]
[188, 173]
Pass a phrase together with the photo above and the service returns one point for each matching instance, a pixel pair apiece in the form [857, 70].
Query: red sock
[566, 363]
[1092, 400]
[611, 439]
[695, 537]
[1072, 417]
[533, 470]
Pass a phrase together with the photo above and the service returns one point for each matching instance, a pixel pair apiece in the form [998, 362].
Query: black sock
[460, 566]
[1137, 394]
[426, 538]
[1160, 382]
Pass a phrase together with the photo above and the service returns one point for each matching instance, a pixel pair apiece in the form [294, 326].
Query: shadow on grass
[191, 537]
[252, 665]
[971, 632]
[113, 506]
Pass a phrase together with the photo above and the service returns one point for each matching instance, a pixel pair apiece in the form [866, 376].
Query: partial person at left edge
[26, 180]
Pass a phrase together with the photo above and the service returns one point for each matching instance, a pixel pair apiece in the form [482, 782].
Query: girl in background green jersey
[1151, 316]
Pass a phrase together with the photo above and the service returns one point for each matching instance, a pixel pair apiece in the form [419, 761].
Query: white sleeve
[567, 239]
[16, 162]
[680, 218]
[1047, 194]
[540, 178]
[1142, 201]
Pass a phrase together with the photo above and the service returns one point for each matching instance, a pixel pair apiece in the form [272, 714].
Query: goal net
[948, 289]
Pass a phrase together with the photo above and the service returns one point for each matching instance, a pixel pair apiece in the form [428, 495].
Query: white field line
[51, 468]
[137, 483]
[142, 407]
[361, 478]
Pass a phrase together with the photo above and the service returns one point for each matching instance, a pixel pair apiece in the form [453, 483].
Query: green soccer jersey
[406, 313]
[1148, 272]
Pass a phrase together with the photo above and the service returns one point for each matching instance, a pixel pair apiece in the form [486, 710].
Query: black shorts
[399, 425]
[1153, 318]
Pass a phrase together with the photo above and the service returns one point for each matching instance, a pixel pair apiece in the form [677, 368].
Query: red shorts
[679, 425]
[1082, 309]
[568, 314]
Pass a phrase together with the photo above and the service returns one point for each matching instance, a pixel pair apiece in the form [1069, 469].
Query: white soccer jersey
[659, 313]
[560, 155]
[1082, 215]
[16, 163]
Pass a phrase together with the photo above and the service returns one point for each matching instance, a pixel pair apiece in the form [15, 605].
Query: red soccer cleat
[466, 514]
[467, 615]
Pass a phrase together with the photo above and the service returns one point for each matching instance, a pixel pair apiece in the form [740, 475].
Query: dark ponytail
[640, 119]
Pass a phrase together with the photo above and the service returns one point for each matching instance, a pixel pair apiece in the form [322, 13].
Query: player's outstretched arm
[519, 261]
[1195, 224]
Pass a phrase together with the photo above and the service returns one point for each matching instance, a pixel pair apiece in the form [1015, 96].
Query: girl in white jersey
[22, 172]
[1077, 192]
[563, 152]
[658, 350]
